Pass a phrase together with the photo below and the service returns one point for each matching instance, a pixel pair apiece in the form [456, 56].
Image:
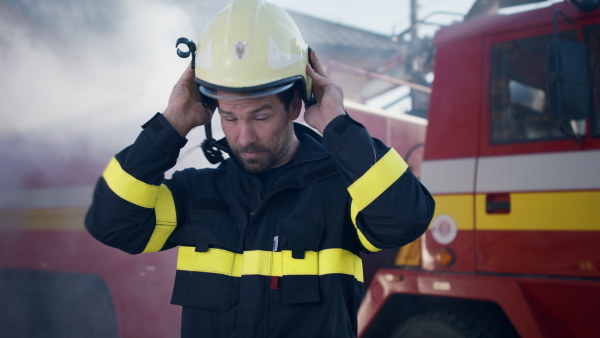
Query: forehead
[241, 103]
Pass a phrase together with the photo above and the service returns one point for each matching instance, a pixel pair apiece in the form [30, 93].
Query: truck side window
[518, 102]
[592, 37]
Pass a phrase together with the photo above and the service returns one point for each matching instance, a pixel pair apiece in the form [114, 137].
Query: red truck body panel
[520, 216]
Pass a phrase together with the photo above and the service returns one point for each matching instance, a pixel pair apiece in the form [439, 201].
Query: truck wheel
[447, 324]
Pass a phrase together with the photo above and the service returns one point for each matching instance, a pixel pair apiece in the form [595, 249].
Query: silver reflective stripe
[238, 96]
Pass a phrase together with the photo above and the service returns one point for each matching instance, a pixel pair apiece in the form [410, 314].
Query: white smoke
[79, 78]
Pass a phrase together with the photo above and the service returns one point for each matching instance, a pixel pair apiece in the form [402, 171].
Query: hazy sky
[79, 60]
[381, 16]
[83, 75]
[67, 60]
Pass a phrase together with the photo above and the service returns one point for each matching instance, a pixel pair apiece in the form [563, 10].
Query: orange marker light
[444, 257]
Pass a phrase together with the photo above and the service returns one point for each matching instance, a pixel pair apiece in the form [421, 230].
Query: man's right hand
[185, 110]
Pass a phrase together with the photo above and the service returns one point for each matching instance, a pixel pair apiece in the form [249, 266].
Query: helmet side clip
[191, 50]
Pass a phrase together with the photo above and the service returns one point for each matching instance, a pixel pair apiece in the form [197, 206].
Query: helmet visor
[243, 95]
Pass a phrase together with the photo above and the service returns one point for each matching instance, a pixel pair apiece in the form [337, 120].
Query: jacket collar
[311, 145]
[316, 162]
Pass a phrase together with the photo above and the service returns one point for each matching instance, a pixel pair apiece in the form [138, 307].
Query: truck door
[537, 205]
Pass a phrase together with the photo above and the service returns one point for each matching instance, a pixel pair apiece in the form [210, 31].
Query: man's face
[259, 131]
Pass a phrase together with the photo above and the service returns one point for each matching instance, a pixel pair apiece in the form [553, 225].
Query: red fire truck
[511, 156]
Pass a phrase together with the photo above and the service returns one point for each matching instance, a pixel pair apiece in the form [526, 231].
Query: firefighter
[270, 240]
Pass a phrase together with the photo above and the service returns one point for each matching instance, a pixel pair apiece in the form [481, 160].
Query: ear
[295, 106]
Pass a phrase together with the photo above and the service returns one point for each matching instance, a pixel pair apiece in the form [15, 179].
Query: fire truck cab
[512, 157]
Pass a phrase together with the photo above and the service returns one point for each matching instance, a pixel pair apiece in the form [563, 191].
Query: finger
[316, 64]
[188, 74]
[188, 82]
[203, 109]
[312, 73]
[317, 75]
[320, 83]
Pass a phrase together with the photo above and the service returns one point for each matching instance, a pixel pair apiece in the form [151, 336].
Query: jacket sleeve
[133, 207]
[389, 206]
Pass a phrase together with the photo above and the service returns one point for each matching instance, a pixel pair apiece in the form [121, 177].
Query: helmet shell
[252, 45]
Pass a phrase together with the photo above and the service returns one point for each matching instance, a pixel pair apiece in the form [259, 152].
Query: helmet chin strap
[212, 151]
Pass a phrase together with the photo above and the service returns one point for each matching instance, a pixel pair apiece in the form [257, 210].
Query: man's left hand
[328, 94]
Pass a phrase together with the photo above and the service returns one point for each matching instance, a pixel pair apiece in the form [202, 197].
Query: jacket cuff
[162, 134]
[343, 133]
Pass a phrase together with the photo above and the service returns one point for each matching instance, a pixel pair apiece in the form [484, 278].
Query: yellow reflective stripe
[144, 195]
[340, 261]
[372, 184]
[268, 263]
[365, 242]
[128, 187]
[377, 179]
[309, 265]
[166, 219]
[260, 263]
[542, 211]
[214, 261]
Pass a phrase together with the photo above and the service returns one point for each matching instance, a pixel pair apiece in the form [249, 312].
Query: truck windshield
[518, 102]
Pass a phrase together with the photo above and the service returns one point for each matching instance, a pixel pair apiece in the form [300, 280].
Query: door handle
[497, 203]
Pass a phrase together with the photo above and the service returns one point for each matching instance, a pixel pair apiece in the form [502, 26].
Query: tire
[448, 324]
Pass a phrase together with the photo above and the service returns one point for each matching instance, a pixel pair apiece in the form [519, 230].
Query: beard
[267, 156]
[265, 161]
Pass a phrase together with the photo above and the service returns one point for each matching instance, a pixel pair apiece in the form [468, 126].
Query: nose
[247, 135]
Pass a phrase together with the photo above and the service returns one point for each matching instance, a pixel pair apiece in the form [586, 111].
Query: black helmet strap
[210, 148]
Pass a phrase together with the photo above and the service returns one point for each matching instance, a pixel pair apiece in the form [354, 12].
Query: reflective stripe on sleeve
[128, 187]
[372, 184]
[144, 195]
[268, 263]
[166, 220]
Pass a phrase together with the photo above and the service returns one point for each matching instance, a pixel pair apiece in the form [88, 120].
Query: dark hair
[209, 101]
[287, 96]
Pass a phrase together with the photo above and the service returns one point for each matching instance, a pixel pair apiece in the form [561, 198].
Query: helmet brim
[242, 93]
[228, 95]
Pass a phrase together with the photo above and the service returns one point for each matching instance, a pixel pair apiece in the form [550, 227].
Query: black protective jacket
[253, 263]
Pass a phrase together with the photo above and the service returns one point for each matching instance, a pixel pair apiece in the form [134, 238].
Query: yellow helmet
[254, 47]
